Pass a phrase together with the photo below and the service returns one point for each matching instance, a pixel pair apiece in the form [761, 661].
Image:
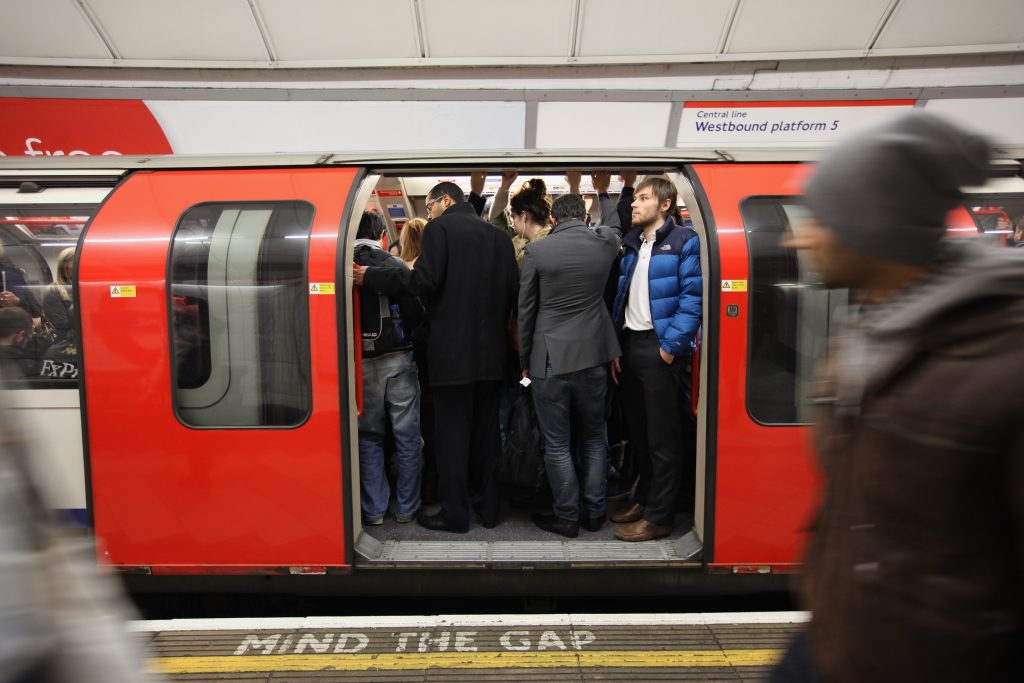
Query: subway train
[210, 436]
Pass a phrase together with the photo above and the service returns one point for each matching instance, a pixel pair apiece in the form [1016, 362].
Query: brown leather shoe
[630, 514]
[642, 530]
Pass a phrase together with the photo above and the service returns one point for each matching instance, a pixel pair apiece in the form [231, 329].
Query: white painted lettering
[522, 646]
[403, 640]
[286, 644]
[581, 638]
[361, 641]
[464, 641]
[254, 642]
[29, 151]
[313, 641]
[441, 642]
[550, 639]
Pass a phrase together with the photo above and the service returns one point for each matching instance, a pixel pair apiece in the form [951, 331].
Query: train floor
[549, 648]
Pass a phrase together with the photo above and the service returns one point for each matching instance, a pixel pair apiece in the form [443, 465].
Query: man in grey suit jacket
[566, 340]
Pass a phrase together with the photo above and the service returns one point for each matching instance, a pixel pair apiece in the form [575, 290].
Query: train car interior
[401, 196]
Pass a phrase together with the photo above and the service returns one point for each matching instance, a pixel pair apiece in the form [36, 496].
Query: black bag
[380, 317]
[522, 458]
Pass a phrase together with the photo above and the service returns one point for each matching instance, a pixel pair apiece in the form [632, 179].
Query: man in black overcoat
[467, 277]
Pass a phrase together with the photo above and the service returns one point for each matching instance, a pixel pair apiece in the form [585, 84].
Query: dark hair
[663, 190]
[568, 206]
[371, 226]
[14, 319]
[447, 188]
[533, 199]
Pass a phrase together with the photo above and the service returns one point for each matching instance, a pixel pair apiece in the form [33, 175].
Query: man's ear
[666, 208]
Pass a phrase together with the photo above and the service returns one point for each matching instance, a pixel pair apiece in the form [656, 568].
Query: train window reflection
[240, 316]
[1000, 219]
[37, 247]
[791, 317]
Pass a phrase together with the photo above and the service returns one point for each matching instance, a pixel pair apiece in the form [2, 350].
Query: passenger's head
[882, 197]
[371, 226]
[441, 196]
[531, 207]
[411, 238]
[15, 326]
[568, 207]
[64, 263]
[653, 200]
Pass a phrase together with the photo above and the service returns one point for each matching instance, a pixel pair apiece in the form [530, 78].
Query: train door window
[1000, 218]
[791, 317]
[239, 315]
[37, 246]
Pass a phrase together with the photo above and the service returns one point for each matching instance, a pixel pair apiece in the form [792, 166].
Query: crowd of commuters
[539, 295]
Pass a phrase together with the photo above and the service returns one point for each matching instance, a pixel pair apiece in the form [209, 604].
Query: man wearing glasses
[467, 277]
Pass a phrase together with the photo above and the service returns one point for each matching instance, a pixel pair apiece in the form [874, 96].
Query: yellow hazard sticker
[122, 291]
[321, 288]
[734, 285]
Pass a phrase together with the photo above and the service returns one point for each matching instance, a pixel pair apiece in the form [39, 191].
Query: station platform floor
[549, 648]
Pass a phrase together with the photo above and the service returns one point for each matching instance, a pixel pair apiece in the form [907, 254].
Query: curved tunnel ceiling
[277, 34]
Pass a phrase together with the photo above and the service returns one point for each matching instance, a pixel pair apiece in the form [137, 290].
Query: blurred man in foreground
[916, 568]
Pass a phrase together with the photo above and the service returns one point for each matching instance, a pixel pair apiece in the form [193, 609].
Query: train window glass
[790, 316]
[32, 240]
[240, 316]
[1000, 218]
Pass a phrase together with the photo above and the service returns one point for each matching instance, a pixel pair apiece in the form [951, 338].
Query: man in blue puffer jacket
[657, 311]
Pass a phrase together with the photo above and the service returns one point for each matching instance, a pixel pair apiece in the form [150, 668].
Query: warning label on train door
[122, 291]
[734, 285]
[321, 288]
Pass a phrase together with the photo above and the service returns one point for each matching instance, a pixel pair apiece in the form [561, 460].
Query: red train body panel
[167, 494]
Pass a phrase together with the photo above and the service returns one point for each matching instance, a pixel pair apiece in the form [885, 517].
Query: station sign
[783, 123]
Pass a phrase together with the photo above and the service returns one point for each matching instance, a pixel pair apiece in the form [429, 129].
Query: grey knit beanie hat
[886, 191]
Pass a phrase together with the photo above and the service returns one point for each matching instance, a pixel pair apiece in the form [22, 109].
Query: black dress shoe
[556, 525]
[594, 523]
[438, 522]
[488, 515]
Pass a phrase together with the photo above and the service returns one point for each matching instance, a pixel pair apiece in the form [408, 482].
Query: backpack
[522, 457]
[380, 316]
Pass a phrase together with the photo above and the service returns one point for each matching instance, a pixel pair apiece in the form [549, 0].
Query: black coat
[468, 278]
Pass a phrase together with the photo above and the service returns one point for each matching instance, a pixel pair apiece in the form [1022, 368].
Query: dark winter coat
[467, 276]
[916, 568]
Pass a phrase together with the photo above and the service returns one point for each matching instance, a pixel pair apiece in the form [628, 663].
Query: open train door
[210, 342]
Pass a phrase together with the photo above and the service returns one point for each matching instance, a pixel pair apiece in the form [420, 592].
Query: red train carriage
[219, 383]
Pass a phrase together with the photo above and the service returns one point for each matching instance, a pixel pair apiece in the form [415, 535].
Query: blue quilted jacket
[675, 285]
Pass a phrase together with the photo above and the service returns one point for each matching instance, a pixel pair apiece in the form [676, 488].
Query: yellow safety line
[463, 660]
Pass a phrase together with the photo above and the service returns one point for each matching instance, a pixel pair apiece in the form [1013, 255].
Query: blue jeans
[391, 390]
[557, 398]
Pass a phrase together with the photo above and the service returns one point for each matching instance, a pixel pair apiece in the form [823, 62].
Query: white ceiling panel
[475, 28]
[936, 23]
[222, 30]
[809, 25]
[340, 29]
[48, 28]
[658, 27]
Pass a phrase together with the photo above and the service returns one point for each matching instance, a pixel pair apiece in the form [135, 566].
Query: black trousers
[655, 403]
[467, 442]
